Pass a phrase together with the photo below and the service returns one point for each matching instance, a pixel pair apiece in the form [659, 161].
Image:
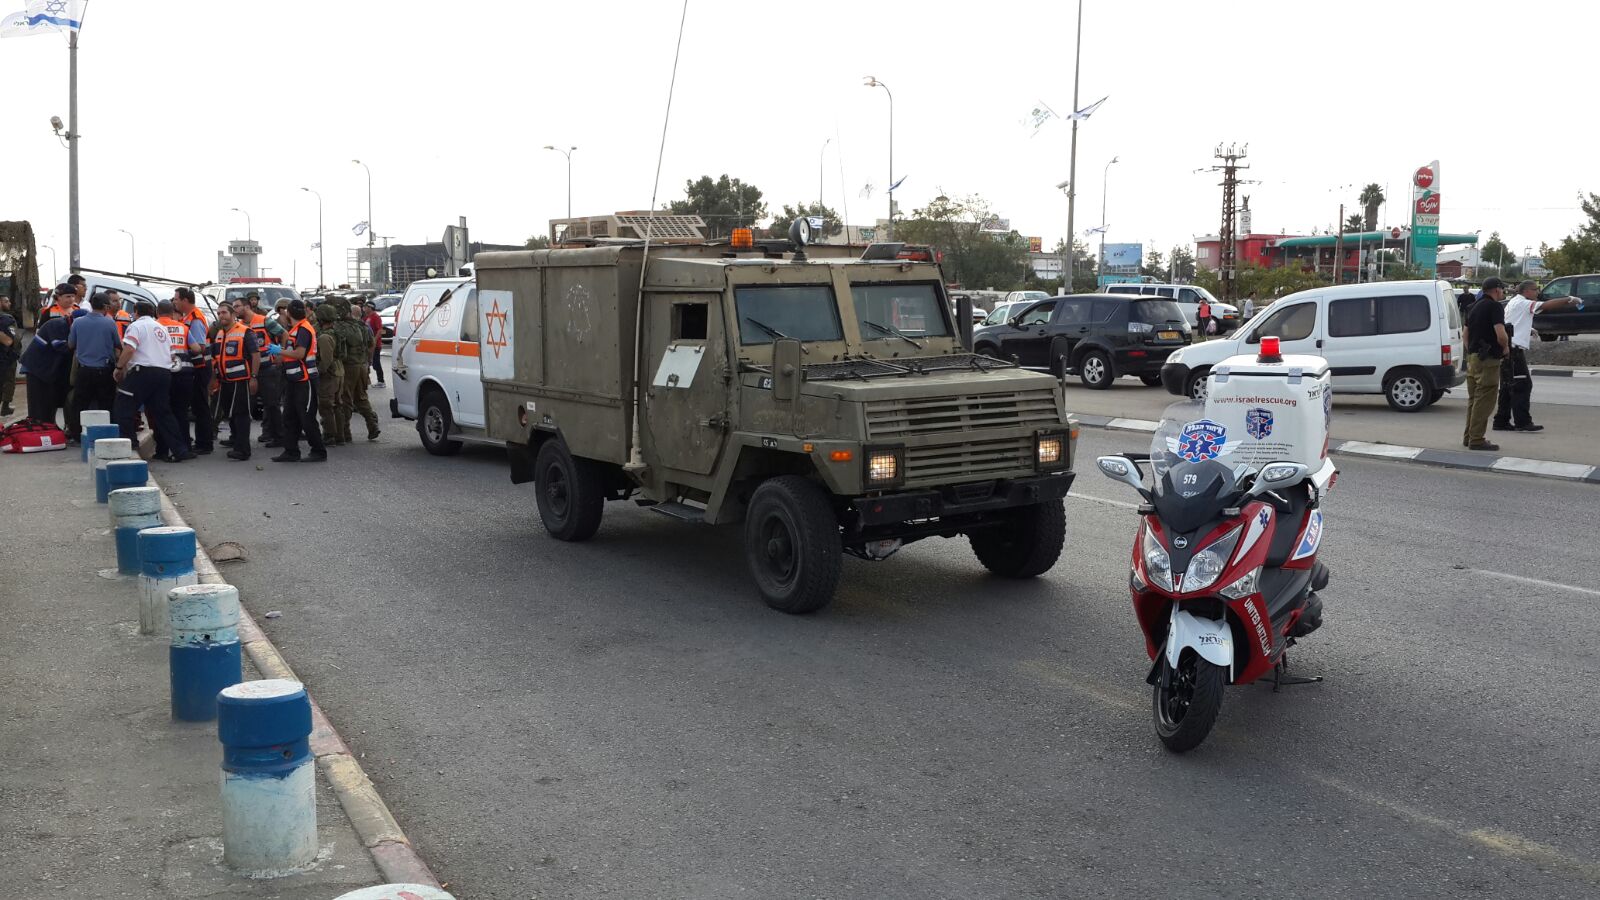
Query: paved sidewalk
[103, 795]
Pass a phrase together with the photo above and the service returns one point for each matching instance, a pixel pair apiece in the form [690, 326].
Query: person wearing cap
[1487, 345]
[48, 361]
[1514, 411]
[191, 401]
[298, 355]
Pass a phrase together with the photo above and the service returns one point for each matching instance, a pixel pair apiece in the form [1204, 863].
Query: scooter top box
[1277, 411]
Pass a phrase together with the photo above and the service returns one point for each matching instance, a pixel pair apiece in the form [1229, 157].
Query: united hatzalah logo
[1201, 440]
[1258, 423]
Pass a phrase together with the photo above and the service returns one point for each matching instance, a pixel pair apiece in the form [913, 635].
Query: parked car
[270, 294]
[1098, 336]
[1026, 296]
[1402, 339]
[1551, 325]
[1003, 312]
[1188, 297]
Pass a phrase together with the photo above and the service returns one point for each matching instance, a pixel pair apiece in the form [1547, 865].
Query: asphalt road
[624, 718]
[1569, 408]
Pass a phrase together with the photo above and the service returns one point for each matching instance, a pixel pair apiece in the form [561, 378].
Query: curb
[389, 847]
[1565, 373]
[1447, 459]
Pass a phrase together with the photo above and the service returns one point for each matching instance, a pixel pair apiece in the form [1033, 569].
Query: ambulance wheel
[1195, 388]
[1151, 380]
[1094, 370]
[1026, 544]
[571, 493]
[434, 424]
[792, 544]
[1408, 390]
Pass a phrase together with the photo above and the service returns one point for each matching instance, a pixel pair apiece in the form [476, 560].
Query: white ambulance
[435, 363]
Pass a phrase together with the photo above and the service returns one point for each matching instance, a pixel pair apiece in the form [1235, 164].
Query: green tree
[538, 242]
[831, 224]
[724, 204]
[1579, 252]
[1494, 252]
[1155, 266]
[1371, 198]
[1353, 222]
[1084, 278]
[1181, 264]
[1267, 284]
[972, 257]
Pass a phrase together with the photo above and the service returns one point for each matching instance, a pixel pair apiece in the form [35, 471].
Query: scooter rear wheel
[1186, 701]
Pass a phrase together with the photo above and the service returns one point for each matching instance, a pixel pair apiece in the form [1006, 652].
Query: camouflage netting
[19, 270]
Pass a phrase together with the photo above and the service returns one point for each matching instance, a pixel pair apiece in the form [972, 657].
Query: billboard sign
[1035, 245]
[1425, 209]
[996, 225]
[1119, 258]
[1533, 267]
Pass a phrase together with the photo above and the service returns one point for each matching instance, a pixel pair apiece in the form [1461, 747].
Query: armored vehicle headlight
[884, 466]
[1050, 450]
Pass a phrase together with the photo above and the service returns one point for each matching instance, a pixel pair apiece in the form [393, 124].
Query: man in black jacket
[1487, 344]
[48, 362]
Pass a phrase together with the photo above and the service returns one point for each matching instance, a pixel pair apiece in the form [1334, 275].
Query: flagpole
[1072, 169]
[73, 252]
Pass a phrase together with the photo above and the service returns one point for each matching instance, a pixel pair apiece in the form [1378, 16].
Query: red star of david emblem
[495, 321]
[419, 312]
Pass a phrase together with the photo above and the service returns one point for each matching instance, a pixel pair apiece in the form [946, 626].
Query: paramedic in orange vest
[236, 378]
[193, 374]
[298, 355]
[179, 380]
[269, 372]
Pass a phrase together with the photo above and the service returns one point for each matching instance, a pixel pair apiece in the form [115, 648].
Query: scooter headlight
[1244, 587]
[1203, 570]
[1157, 564]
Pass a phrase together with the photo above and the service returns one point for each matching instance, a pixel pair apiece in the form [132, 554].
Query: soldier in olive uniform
[330, 373]
[357, 356]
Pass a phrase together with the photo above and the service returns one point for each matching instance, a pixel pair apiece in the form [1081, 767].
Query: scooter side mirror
[1123, 469]
[1277, 475]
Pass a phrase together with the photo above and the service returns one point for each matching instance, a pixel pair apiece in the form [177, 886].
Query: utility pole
[73, 250]
[1230, 156]
[1338, 250]
[1072, 167]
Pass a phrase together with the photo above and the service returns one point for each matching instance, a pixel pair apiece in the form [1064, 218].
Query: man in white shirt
[1516, 383]
[144, 379]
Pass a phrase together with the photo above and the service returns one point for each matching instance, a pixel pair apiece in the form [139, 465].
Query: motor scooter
[1224, 575]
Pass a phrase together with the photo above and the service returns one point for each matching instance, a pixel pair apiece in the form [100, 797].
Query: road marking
[1547, 468]
[1385, 451]
[1535, 581]
[1133, 425]
[1120, 504]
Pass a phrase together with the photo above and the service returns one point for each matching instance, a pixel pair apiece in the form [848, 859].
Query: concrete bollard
[398, 892]
[107, 450]
[133, 509]
[94, 417]
[92, 433]
[269, 780]
[166, 561]
[126, 473]
[204, 657]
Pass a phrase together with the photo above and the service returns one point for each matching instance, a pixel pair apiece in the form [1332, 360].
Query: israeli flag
[360, 228]
[43, 16]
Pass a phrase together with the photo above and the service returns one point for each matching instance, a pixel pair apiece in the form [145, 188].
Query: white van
[435, 365]
[271, 292]
[1188, 297]
[1402, 339]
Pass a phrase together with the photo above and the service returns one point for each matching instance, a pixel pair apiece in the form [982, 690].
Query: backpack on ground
[32, 436]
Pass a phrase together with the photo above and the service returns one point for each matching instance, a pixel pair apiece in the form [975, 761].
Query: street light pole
[370, 230]
[53, 270]
[320, 249]
[873, 82]
[568, 154]
[821, 155]
[133, 258]
[247, 233]
[1072, 170]
[1105, 182]
[73, 249]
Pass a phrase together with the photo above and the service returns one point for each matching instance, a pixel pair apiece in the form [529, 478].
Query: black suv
[1551, 325]
[1099, 336]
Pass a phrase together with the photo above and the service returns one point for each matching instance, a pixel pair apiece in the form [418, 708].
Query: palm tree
[1353, 223]
[1371, 198]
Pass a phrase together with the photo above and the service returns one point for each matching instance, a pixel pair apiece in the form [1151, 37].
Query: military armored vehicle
[823, 396]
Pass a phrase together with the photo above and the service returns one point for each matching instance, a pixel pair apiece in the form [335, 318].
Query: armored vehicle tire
[570, 492]
[792, 545]
[1094, 370]
[434, 423]
[1028, 544]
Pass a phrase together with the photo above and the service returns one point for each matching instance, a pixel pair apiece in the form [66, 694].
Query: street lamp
[873, 82]
[133, 261]
[320, 250]
[821, 155]
[53, 269]
[568, 154]
[247, 234]
[370, 231]
[1105, 180]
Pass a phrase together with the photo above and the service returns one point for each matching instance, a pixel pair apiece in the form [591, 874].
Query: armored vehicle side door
[687, 408]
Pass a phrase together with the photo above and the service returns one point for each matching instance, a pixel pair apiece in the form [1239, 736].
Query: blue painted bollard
[204, 657]
[92, 433]
[269, 781]
[166, 561]
[108, 450]
[133, 509]
[126, 473]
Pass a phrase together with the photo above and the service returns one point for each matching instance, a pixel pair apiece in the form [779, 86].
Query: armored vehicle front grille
[968, 460]
[889, 420]
[895, 366]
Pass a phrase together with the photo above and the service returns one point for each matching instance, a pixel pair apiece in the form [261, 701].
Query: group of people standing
[186, 374]
[1499, 333]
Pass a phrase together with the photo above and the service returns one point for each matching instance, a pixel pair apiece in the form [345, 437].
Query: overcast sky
[189, 109]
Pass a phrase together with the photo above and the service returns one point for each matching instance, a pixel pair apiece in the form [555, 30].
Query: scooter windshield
[1191, 457]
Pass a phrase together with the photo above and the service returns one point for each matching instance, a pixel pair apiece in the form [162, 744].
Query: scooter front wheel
[1187, 700]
